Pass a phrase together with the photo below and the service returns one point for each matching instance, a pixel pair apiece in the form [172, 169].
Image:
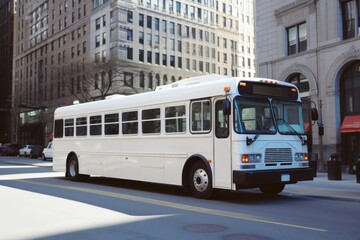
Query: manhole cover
[245, 237]
[204, 228]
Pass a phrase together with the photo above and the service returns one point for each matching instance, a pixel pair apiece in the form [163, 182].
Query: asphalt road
[36, 203]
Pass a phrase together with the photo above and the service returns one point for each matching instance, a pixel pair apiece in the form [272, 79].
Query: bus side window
[59, 128]
[221, 121]
[201, 116]
[151, 121]
[130, 122]
[69, 127]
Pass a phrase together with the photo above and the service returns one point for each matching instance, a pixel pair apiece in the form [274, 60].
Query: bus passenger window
[151, 121]
[69, 127]
[95, 125]
[201, 116]
[81, 127]
[112, 124]
[130, 122]
[175, 119]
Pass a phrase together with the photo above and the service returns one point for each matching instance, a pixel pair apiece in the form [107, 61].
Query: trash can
[358, 170]
[313, 163]
[334, 167]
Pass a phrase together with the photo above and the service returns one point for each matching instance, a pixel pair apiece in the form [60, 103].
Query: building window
[350, 18]
[297, 38]
[130, 16]
[141, 37]
[157, 58]
[157, 23]
[350, 90]
[164, 59]
[172, 61]
[128, 79]
[129, 53]
[97, 24]
[97, 41]
[141, 55]
[142, 80]
[149, 21]
[141, 20]
[149, 56]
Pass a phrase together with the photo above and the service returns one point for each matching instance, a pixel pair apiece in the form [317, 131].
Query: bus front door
[222, 147]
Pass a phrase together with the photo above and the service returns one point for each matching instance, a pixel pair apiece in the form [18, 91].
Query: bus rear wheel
[200, 181]
[73, 168]
[272, 189]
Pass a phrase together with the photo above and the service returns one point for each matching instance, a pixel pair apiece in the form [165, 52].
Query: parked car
[36, 151]
[47, 152]
[10, 149]
[25, 151]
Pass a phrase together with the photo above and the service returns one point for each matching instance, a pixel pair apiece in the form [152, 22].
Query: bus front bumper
[248, 179]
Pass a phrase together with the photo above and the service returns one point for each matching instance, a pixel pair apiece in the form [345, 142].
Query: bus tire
[73, 168]
[200, 181]
[272, 189]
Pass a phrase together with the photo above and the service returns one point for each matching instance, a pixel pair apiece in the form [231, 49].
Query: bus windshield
[288, 116]
[256, 115]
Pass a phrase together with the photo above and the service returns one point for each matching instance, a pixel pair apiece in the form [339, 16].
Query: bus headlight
[251, 158]
[301, 157]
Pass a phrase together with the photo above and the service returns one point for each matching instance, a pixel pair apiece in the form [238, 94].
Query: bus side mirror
[314, 114]
[227, 107]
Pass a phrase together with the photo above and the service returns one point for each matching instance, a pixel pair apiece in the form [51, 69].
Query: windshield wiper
[303, 141]
[250, 141]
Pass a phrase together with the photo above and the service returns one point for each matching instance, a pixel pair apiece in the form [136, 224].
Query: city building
[133, 45]
[6, 53]
[316, 45]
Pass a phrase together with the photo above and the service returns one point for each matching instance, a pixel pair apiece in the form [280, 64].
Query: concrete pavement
[346, 189]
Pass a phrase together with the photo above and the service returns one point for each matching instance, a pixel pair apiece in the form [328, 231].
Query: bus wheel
[272, 189]
[73, 168]
[200, 181]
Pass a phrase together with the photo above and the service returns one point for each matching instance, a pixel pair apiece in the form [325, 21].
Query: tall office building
[6, 52]
[316, 45]
[147, 43]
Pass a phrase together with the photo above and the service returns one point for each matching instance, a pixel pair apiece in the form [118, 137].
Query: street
[37, 203]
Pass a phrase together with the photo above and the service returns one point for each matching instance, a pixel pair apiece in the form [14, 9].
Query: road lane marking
[176, 205]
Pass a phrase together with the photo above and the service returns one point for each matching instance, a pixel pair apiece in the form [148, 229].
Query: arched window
[142, 80]
[173, 79]
[150, 81]
[301, 83]
[157, 77]
[350, 90]
[165, 80]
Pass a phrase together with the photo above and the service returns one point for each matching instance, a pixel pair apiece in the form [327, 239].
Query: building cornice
[292, 5]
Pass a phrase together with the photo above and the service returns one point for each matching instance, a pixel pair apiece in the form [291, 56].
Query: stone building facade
[316, 45]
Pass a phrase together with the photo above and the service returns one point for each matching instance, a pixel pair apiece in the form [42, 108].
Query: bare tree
[95, 80]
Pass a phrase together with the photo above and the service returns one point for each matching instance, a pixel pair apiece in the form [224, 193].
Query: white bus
[202, 133]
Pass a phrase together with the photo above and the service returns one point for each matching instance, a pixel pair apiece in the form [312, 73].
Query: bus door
[222, 147]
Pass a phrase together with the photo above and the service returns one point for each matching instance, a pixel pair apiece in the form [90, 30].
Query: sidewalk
[346, 189]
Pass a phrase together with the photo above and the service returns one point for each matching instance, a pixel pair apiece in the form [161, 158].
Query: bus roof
[191, 88]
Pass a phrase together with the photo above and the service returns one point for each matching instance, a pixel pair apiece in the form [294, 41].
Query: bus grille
[278, 155]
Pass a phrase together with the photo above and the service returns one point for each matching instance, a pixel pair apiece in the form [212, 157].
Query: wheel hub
[201, 180]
